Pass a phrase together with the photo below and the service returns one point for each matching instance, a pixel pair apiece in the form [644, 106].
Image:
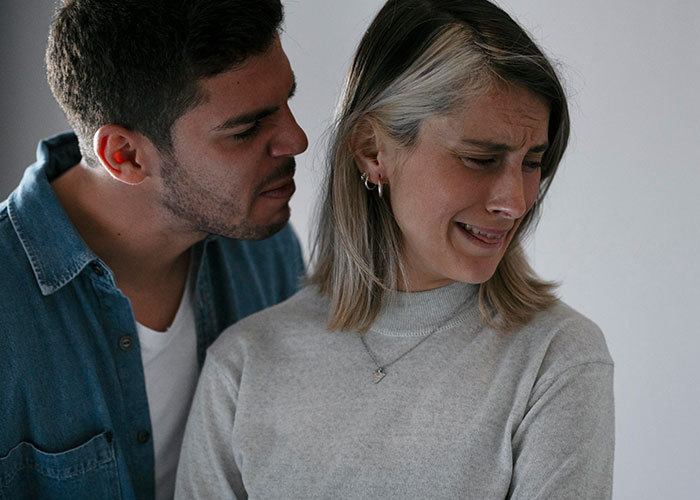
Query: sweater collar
[418, 314]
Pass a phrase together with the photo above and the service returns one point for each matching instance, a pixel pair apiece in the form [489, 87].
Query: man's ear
[374, 153]
[119, 152]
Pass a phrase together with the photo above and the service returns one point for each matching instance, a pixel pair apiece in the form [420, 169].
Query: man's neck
[131, 232]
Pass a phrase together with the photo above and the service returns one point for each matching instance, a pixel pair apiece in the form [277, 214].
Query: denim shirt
[74, 420]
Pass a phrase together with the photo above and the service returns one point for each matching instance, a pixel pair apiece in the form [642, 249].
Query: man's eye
[532, 165]
[479, 162]
[247, 133]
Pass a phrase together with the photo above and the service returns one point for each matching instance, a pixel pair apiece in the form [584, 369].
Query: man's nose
[291, 139]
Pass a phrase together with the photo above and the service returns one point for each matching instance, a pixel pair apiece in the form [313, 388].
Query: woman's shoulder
[304, 312]
[561, 337]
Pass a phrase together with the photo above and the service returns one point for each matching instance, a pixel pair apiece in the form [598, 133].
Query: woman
[425, 359]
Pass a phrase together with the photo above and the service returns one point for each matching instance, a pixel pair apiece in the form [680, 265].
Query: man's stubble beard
[189, 202]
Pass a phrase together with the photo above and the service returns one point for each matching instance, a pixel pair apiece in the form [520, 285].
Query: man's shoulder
[278, 253]
[285, 240]
[3, 210]
[15, 271]
[242, 277]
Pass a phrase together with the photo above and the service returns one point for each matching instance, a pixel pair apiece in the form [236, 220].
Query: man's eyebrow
[497, 147]
[254, 116]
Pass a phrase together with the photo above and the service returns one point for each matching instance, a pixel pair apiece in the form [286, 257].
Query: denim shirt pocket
[86, 472]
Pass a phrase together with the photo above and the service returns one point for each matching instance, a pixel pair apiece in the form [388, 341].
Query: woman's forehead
[507, 115]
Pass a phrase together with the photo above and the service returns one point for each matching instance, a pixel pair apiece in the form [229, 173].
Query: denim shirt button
[125, 342]
[97, 269]
[143, 436]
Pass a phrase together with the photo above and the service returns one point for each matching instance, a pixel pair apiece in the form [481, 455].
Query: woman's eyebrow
[498, 147]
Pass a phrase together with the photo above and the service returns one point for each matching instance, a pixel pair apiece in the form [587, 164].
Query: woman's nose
[507, 197]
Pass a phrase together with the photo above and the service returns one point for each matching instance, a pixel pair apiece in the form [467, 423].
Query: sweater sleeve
[564, 446]
[207, 466]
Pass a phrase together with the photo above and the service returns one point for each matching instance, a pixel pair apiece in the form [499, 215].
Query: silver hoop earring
[368, 185]
[379, 187]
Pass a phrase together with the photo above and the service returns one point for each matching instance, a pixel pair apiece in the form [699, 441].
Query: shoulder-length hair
[419, 59]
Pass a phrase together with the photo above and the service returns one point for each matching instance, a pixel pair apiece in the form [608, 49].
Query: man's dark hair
[137, 63]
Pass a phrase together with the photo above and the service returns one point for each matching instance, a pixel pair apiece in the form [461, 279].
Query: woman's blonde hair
[419, 59]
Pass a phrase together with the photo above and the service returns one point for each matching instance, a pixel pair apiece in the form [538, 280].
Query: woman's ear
[374, 153]
[118, 149]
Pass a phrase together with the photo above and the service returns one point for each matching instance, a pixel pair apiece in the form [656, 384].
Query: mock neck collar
[418, 314]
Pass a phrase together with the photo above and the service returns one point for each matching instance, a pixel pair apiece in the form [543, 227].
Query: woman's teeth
[475, 231]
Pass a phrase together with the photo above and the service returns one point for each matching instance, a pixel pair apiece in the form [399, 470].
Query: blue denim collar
[54, 248]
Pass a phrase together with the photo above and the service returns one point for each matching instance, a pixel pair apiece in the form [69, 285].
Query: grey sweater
[287, 410]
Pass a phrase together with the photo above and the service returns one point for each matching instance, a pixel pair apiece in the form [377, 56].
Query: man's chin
[247, 231]
[267, 231]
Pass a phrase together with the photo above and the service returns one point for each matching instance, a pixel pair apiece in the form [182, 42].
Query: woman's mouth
[485, 237]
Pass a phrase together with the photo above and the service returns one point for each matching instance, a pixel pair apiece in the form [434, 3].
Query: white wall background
[620, 228]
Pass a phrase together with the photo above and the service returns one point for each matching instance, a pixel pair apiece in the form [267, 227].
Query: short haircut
[419, 59]
[137, 63]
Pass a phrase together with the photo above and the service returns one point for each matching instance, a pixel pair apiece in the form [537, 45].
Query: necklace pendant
[379, 374]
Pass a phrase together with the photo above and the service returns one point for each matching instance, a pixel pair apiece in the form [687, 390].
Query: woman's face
[460, 193]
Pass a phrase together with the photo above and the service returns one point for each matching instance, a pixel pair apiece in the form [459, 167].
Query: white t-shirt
[171, 370]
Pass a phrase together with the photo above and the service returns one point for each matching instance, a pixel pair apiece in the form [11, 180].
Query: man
[114, 282]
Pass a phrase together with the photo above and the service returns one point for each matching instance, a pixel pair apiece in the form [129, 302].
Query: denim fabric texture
[74, 420]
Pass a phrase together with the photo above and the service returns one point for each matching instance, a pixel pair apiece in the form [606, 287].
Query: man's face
[232, 166]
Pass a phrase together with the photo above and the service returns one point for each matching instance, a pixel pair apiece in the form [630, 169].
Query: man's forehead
[254, 70]
[258, 85]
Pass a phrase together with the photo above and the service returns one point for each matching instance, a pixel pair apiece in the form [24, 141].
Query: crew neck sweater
[287, 409]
